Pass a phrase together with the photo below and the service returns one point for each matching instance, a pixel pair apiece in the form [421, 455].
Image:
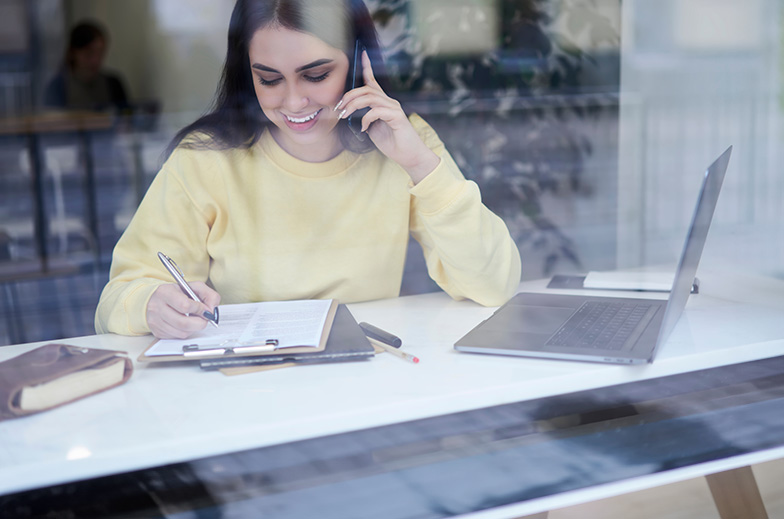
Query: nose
[296, 99]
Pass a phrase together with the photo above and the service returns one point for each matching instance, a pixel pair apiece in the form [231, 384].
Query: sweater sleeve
[468, 249]
[167, 220]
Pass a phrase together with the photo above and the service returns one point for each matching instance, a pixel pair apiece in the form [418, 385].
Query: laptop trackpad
[530, 318]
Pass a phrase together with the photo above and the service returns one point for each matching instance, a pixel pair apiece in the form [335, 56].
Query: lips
[302, 124]
[302, 120]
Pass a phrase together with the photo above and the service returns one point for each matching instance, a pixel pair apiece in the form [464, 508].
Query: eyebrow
[314, 64]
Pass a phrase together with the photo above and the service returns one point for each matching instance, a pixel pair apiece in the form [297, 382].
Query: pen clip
[174, 264]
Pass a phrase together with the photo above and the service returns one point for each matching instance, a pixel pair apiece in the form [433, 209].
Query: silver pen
[176, 273]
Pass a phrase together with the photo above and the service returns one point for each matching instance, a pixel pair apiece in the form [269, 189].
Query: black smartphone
[355, 119]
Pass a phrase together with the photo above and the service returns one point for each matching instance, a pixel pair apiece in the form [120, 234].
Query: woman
[271, 197]
[82, 83]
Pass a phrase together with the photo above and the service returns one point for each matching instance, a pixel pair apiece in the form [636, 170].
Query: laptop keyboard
[603, 324]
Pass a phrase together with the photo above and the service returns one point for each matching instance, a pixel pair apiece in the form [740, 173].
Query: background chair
[39, 303]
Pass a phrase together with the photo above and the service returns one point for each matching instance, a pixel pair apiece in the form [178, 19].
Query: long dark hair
[236, 119]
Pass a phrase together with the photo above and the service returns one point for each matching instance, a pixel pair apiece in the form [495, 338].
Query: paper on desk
[613, 280]
[244, 370]
[292, 323]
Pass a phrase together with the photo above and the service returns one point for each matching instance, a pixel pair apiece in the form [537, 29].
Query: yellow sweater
[260, 225]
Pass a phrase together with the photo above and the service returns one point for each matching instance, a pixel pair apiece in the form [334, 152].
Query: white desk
[172, 413]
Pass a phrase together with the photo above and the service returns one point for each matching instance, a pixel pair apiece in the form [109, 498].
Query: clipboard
[347, 342]
[203, 348]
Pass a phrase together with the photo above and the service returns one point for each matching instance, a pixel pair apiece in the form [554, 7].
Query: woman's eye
[316, 79]
[270, 82]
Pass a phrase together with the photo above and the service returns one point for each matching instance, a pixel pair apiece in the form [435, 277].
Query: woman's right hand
[173, 315]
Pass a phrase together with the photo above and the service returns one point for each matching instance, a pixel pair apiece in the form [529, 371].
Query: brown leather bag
[56, 374]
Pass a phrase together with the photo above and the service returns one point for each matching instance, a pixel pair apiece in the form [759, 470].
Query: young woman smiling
[271, 196]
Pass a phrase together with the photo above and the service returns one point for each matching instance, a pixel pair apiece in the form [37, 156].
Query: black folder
[346, 342]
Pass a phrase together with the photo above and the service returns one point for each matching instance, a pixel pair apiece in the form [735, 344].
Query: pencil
[394, 351]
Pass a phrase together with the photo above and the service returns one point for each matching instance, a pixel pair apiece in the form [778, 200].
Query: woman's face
[298, 80]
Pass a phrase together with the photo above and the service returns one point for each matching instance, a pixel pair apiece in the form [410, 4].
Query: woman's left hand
[387, 125]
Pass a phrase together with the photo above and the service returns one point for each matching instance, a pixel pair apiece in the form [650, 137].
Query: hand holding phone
[384, 120]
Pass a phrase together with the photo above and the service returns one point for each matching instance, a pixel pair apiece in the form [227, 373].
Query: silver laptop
[594, 328]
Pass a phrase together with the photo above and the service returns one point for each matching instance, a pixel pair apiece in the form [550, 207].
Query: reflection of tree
[505, 114]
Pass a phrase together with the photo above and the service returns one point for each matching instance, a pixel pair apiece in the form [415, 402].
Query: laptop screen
[695, 241]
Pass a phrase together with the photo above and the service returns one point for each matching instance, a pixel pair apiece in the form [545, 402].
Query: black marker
[380, 335]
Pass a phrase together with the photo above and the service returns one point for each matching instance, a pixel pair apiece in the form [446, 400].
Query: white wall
[697, 76]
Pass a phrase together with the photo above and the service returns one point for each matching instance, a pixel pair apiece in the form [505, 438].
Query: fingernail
[209, 316]
[217, 317]
[342, 114]
[337, 105]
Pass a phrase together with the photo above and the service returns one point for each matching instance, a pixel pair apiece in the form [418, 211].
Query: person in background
[82, 83]
[272, 196]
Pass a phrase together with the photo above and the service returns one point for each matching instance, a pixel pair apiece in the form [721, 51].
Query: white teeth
[304, 119]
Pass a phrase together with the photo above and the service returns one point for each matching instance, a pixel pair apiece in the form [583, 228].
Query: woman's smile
[302, 123]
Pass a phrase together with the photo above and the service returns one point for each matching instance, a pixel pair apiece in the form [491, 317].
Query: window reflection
[586, 124]
[458, 463]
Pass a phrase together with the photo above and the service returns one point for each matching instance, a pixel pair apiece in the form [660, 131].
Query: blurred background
[586, 123]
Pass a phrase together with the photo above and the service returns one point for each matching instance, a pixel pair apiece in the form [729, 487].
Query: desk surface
[173, 413]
